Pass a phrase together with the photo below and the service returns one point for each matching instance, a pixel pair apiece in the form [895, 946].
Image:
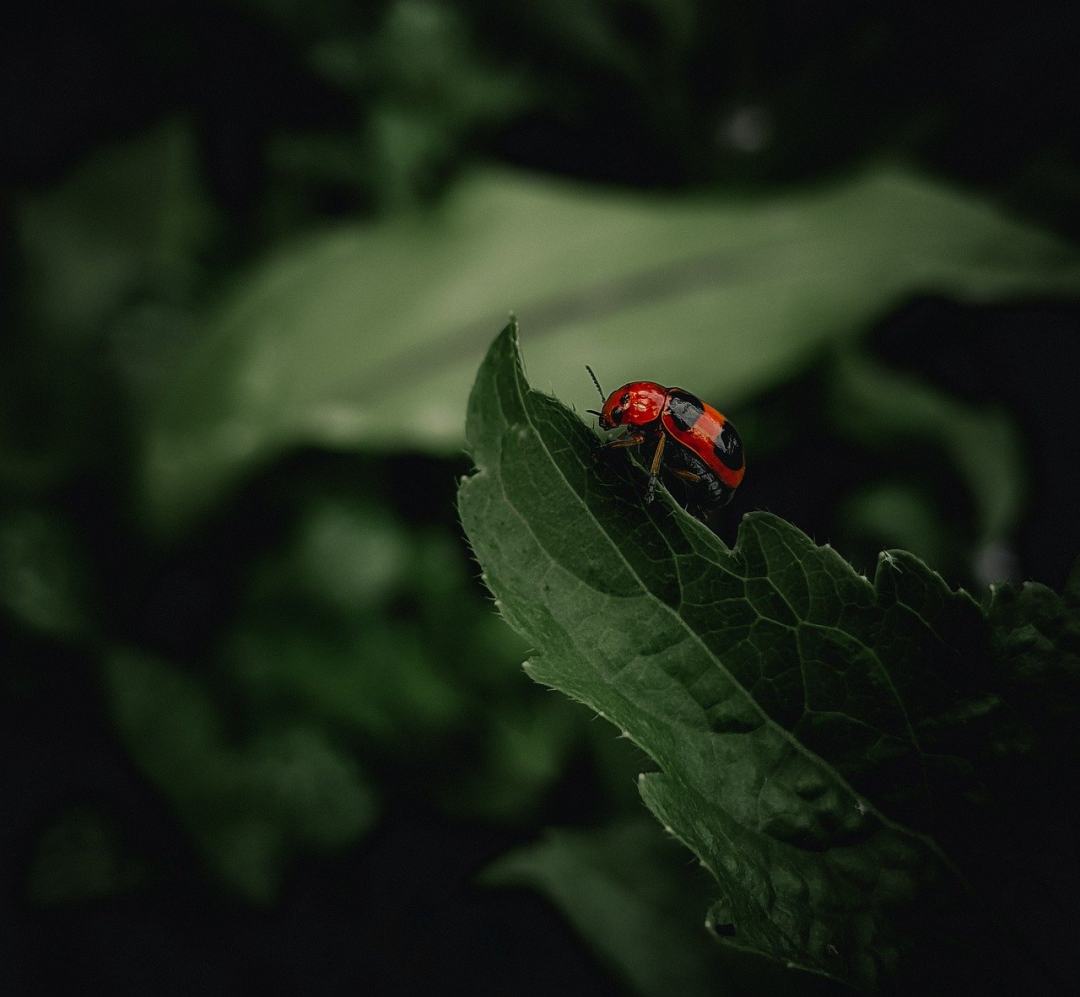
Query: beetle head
[635, 404]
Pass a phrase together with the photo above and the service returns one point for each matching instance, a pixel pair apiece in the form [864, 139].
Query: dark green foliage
[262, 726]
[632, 893]
[857, 762]
[1036, 643]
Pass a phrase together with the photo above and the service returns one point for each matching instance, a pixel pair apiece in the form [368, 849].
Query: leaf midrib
[783, 732]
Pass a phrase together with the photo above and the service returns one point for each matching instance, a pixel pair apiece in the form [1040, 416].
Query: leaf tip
[888, 558]
[510, 332]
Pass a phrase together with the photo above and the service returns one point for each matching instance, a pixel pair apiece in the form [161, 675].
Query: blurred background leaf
[80, 858]
[131, 221]
[245, 802]
[368, 338]
[635, 895]
[43, 577]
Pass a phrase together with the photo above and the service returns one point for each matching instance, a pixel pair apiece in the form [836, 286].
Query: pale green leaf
[368, 335]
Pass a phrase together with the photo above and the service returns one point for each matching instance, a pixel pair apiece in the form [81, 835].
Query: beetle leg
[633, 440]
[687, 476]
[654, 467]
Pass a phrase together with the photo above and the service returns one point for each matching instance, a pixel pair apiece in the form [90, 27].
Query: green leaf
[368, 335]
[633, 896]
[370, 630]
[1036, 635]
[133, 219]
[250, 803]
[838, 752]
[870, 403]
[111, 259]
[43, 572]
[79, 857]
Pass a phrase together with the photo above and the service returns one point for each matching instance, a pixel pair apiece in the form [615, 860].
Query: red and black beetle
[688, 438]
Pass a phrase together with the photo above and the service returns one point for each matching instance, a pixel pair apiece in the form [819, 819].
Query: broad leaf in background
[81, 857]
[368, 336]
[839, 753]
[111, 261]
[894, 414]
[43, 571]
[889, 460]
[248, 804]
[132, 220]
[869, 402]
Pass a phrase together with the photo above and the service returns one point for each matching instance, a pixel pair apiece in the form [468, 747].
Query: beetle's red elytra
[687, 438]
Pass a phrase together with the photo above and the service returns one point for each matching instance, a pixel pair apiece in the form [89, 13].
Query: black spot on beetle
[685, 410]
[728, 447]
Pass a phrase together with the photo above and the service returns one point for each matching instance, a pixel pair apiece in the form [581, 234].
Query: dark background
[269, 743]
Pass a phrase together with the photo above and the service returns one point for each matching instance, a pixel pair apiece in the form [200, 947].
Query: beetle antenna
[596, 382]
[593, 411]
